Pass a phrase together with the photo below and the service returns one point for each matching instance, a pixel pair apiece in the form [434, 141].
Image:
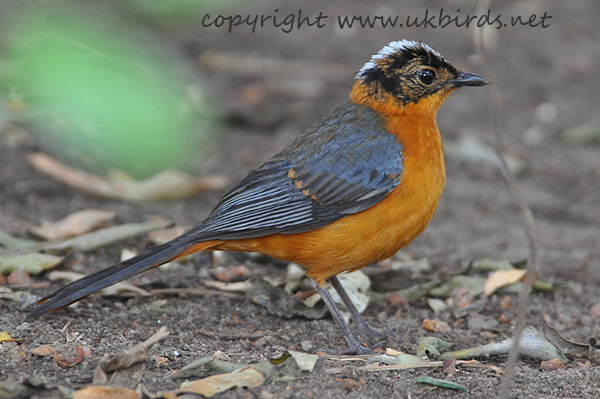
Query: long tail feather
[87, 285]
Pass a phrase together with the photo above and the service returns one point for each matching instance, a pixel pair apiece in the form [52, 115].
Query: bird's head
[407, 72]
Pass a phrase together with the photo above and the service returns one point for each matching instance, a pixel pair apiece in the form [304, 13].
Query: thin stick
[529, 221]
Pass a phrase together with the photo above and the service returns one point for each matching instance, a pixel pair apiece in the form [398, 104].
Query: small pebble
[306, 346]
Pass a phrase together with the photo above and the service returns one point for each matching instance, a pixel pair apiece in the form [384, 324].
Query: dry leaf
[5, 337]
[105, 392]
[32, 263]
[19, 277]
[306, 362]
[210, 386]
[99, 238]
[502, 278]
[74, 224]
[552, 365]
[65, 355]
[44, 351]
[70, 359]
[240, 286]
[449, 366]
[165, 185]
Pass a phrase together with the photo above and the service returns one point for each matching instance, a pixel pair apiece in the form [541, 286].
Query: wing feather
[343, 164]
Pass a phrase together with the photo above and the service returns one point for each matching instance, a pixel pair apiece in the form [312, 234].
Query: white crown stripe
[394, 47]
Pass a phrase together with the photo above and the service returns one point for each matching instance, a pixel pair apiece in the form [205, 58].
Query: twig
[529, 222]
[161, 334]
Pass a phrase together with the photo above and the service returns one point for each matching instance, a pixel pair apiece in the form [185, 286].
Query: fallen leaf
[121, 361]
[206, 366]
[85, 242]
[552, 365]
[124, 290]
[70, 359]
[67, 355]
[474, 283]
[500, 279]
[44, 351]
[105, 392]
[240, 286]
[293, 278]
[437, 305]
[5, 337]
[305, 361]
[489, 265]
[69, 277]
[430, 347]
[21, 299]
[424, 379]
[32, 263]
[99, 238]
[19, 277]
[118, 185]
[385, 359]
[74, 224]
[449, 366]
[210, 386]
[573, 349]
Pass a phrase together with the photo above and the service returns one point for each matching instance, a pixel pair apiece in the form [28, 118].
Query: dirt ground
[476, 218]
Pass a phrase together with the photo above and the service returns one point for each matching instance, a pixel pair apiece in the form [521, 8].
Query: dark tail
[81, 288]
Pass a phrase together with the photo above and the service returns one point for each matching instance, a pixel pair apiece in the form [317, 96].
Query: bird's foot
[373, 334]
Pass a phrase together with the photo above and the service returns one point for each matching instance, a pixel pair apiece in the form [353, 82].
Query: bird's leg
[363, 327]
[354, 347]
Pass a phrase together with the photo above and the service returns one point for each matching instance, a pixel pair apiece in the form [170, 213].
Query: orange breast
[380, 231]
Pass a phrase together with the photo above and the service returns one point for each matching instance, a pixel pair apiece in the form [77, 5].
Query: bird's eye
[426, 76]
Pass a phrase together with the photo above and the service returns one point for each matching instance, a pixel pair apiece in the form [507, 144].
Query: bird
[352, 189]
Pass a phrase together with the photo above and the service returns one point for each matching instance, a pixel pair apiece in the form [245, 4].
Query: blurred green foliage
[98, 91]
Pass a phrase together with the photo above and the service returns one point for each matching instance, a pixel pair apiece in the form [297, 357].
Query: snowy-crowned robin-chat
[354, 188]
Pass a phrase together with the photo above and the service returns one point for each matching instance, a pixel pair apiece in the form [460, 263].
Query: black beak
[468, 79]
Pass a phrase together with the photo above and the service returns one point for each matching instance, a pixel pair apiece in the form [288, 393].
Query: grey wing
[342, 165]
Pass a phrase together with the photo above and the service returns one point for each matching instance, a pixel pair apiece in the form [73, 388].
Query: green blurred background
[103, 91]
